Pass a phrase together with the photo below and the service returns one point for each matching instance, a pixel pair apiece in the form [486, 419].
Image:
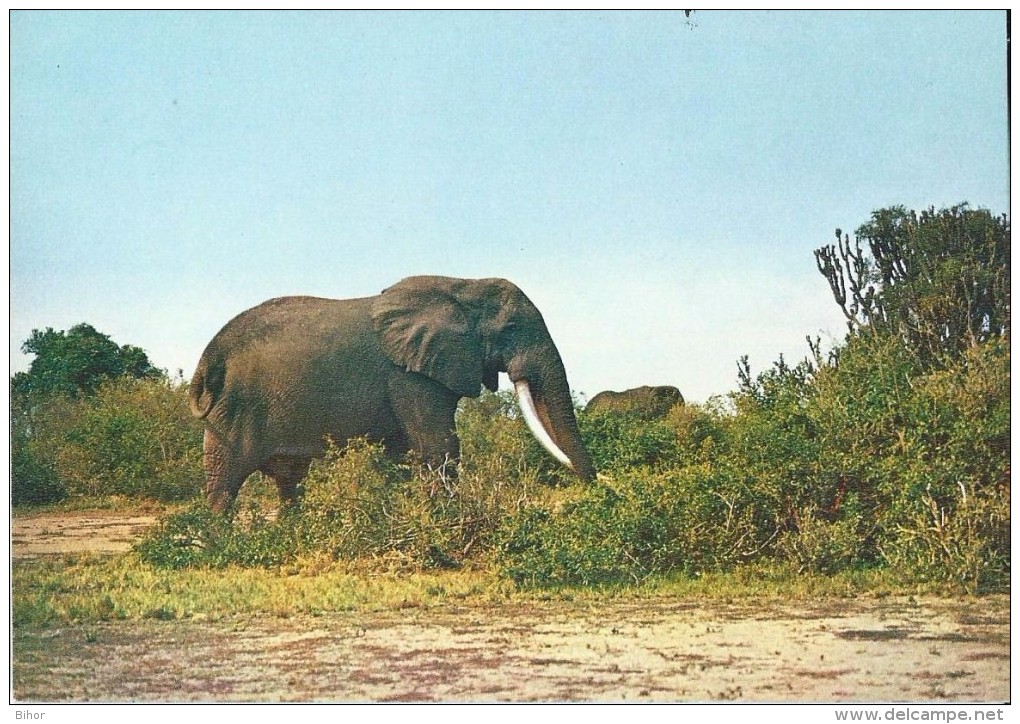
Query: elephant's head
[463, 332]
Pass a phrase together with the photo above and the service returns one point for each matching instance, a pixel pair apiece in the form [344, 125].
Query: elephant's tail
[206, 386]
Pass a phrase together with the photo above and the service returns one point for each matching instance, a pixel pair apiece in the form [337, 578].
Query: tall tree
[939, 280]
[77, 361]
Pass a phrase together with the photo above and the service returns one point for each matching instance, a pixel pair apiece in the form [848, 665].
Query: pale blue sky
[655, 186]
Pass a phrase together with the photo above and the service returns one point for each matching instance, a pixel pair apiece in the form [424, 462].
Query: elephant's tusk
[535, 424]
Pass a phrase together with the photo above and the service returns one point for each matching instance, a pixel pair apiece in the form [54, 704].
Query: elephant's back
[290, 320]
[282, 348]
[602, 400]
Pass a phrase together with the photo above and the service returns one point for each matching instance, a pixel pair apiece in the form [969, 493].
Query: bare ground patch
[655, 651]
[98, 532]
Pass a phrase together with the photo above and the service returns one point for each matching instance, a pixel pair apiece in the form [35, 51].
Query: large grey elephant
[282, 377]
[646, 402]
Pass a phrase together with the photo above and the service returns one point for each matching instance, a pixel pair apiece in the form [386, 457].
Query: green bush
[878, 460]
[620, 441]
[581, 545]
[698, 430]
[34, 480]
[35, 441]
[963, 539]
[819, 544]
[867, 460]
[949, 518]
[184, 539]
[197, 537]
[358, 503]
[689, 519]
[132, 437]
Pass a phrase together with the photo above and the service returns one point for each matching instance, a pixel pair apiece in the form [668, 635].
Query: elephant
[645, 403]
[280, 379]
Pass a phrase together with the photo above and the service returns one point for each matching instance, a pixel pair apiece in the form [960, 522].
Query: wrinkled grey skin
[282, 377]
[646, 403]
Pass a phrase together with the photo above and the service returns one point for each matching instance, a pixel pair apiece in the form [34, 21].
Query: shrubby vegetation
[888, 452]
[892, 451]
[130, 437]
[359, 504]
[91, 418]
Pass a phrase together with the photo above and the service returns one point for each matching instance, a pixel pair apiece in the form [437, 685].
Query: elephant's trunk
[550, 417]
[535, 424]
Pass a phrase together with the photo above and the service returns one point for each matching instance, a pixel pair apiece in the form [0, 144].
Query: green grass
[85, 589]
[90, 588]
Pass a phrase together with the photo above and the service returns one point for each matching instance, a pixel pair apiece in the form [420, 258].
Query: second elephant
[646, 403]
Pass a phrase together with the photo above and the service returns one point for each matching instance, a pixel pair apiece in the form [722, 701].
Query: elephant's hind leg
[224, 474]
[287, 472]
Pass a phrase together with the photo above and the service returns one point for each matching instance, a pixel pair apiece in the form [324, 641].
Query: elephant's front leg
[425, 412]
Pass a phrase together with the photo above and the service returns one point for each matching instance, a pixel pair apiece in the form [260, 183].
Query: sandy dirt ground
[867, 650]
[99, 531]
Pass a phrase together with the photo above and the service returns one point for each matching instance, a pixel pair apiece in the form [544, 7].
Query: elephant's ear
[424, 327]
